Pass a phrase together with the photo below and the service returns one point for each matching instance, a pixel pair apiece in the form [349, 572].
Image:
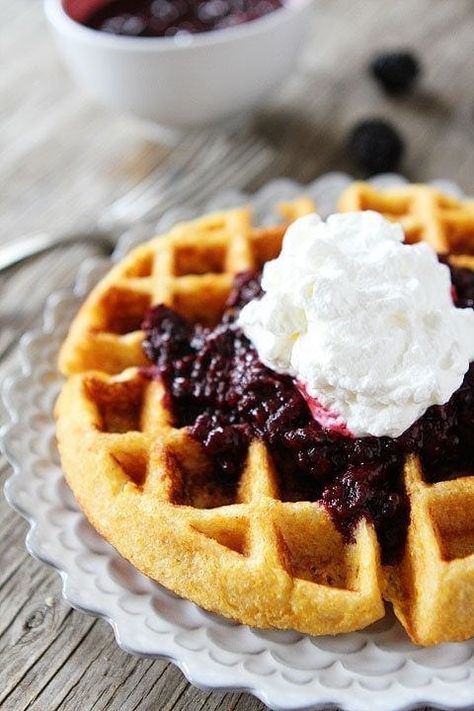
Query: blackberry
[375, 146]
[395, 71]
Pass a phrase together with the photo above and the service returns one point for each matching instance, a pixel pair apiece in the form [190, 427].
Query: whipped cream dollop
[365, 323]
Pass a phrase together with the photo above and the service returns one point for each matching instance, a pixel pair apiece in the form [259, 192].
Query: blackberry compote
[217, 387]
[463, 285]
[165, 18]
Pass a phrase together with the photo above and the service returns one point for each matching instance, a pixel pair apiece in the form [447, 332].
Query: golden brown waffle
[241, 551]
[147, 488]
[191, 270]
[424, 213]
[433, 589]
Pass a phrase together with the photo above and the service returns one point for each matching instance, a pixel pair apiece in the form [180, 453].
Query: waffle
[244, 552]
[424, 213]
[191, 271]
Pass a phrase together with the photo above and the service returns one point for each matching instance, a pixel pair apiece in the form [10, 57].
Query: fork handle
[24, 247]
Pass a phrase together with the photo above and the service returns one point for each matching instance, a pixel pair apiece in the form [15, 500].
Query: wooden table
[63, 158]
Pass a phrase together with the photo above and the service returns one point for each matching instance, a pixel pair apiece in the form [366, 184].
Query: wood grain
[63, 159]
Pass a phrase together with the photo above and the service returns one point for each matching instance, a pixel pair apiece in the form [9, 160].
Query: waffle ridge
[425, 213]
[236, 549]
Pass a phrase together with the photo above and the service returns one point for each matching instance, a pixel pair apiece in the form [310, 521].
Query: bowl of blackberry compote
[180, 63]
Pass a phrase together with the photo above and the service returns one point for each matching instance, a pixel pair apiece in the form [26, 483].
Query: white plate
[377, 668]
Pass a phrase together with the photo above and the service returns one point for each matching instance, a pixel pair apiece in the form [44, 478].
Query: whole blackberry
[395, 71]
[375, 146]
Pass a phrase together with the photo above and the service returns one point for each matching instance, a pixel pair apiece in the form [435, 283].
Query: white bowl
[181, 84]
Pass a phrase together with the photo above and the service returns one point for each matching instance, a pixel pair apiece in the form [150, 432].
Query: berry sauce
[165, 18]
[463, 283]
[217, 387]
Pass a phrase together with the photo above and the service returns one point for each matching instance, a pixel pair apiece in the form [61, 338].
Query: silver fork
[203, 164]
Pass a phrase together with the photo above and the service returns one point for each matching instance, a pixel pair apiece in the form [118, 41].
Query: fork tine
[219, 155]
[170, 185]
[245, 165]
[239, 162]
[157, 179]
[194, 169]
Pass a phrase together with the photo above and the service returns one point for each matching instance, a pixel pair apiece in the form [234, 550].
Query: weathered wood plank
[42, 634]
